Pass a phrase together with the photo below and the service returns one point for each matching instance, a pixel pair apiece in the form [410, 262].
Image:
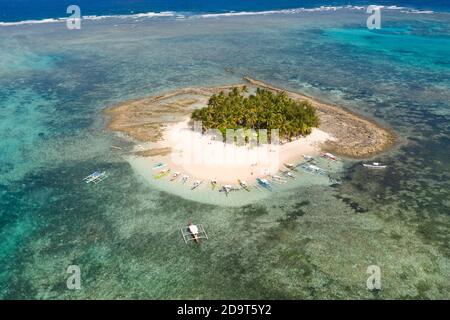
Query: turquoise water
[313, 241]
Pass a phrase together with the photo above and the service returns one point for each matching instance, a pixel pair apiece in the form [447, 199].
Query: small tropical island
[169, 147]
[262, 110]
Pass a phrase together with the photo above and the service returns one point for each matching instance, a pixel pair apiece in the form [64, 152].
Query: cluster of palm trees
[262, 110]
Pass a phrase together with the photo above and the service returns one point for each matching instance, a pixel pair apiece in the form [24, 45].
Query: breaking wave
[216, 15]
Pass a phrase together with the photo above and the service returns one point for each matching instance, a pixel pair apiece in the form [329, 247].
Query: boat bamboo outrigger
[158, 165]
[96, 177]
[213, 184]
[184, 179]
[278, 179]
[307, 158]
[175, 175]
[193, 232]
[244, 185]
[313, 169]
[264, 183]
[289, 174]
[162, 173]
[329, 156]
[226, 188]
[291, 166]
[374, 165]
[196, 184]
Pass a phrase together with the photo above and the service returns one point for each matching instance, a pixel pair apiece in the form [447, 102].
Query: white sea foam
[94, 17]
[217, 15]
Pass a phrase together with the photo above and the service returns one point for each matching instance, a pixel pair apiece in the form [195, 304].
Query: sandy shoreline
[201, 158]
[161, 123]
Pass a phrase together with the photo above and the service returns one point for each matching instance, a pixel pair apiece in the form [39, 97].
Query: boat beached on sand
[196, 184]
[264, 183]
[244, 185]
[162, 173]
[175, 176]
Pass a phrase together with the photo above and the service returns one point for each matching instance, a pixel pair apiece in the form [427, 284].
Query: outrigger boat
[313, 169]
[278, 178]
[184, 179]
[226, 188]
[213, 184]
[162, 173]
[264, 183]
[158, 165]
[196, 184]
[193, 232]
[307, 158]
[291, 166]
[244, 185]
[329, 156]
[96, 177]
[176, 174]
[289, 174]
[374, 165]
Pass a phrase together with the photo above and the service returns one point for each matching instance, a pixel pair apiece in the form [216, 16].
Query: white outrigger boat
[307, 158]
[374, 165]
[175, 175]
[264, 183]
[329, 156]
[278, 179]
[289, 174]
[228, 188]
[213, 184]
[291, 166]
[184, 179]
[313, 169]
[96, 177]
[158, 165]
[162, 174]
[244, 185]
[196, 184]
[193, 232]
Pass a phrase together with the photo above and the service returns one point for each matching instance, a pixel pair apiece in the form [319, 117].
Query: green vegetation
[262, 110]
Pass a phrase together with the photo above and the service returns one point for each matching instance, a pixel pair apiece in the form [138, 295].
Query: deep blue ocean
[19, 10]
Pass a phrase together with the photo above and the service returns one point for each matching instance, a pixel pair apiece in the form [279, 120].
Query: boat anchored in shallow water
[289, 174]
[162, 173]
[196, 184]
[175, 175]
[96, 177]
[374, 165]
[264, 183]
[329, 156]
[291, 166]
[244, 185]
[313, 169]
[193, 232]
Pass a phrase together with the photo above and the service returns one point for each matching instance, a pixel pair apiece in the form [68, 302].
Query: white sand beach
[203, 158]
